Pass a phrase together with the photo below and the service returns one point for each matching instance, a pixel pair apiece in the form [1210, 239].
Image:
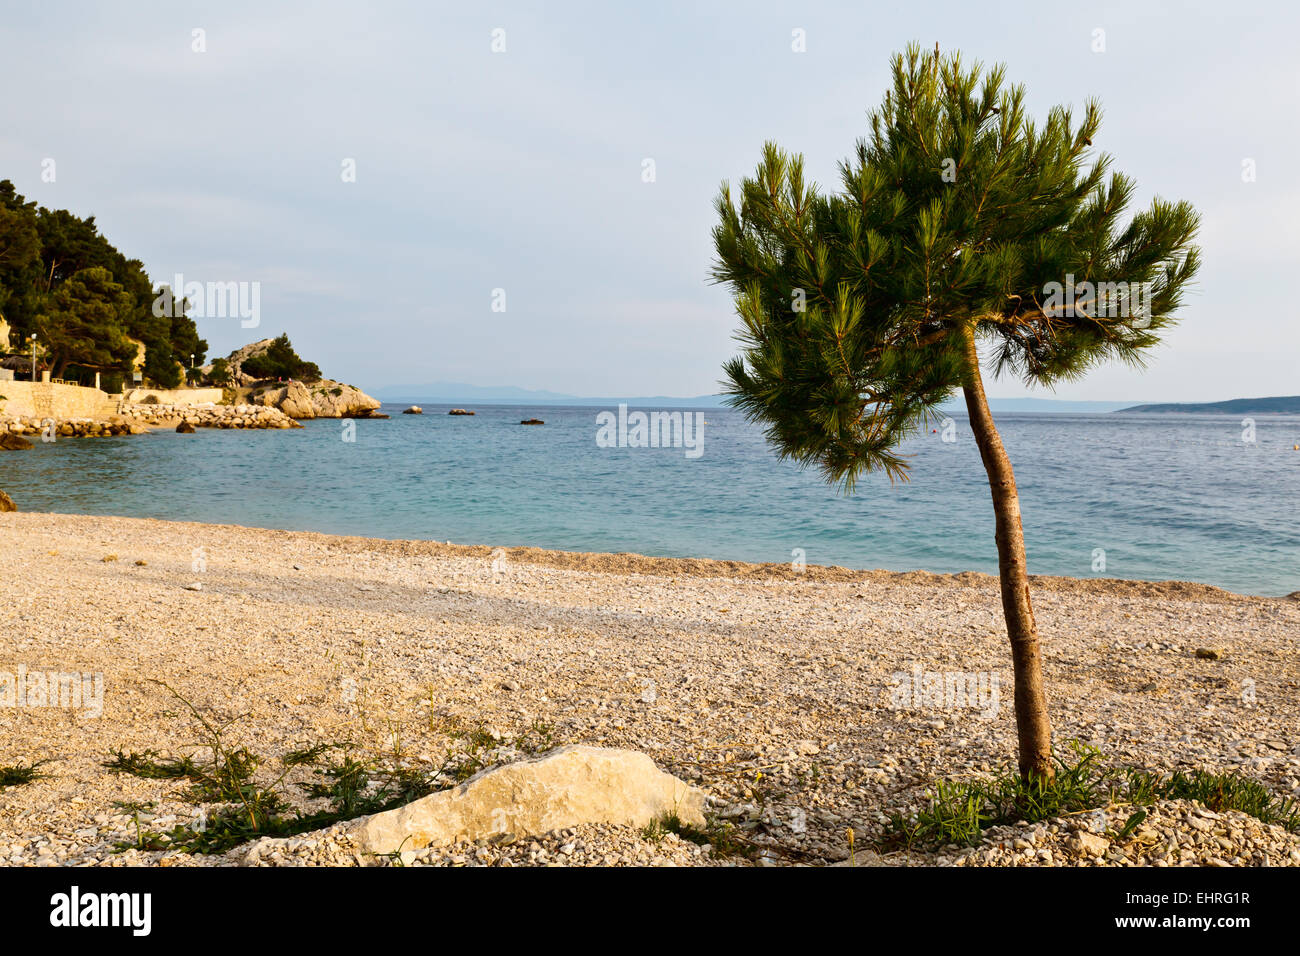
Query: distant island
[1282, 405]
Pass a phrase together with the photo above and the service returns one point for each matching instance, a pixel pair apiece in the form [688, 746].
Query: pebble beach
[785, 693]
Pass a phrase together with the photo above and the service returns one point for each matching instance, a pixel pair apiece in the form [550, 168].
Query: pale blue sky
[522, 170]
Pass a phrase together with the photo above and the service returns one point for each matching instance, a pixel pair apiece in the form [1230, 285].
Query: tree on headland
[959, 222]
[280, 361]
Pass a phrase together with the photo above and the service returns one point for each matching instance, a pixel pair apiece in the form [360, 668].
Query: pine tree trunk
[1033, 729]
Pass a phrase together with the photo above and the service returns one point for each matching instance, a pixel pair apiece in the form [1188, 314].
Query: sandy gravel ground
[775, 691]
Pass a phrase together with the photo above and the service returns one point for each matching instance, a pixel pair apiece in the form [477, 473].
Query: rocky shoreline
[247, 403]
[774, 693]
[136, 419]
[276, 408]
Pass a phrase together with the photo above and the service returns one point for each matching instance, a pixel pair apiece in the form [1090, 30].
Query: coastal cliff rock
[292, 399]
[7, 503]
[333, 399]
[10, 441]
[324, 399]
[567, 787]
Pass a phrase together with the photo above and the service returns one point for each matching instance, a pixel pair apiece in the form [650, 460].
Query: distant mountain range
[1282, 405]
[452, 393]
[440, 393]
[1039, 406]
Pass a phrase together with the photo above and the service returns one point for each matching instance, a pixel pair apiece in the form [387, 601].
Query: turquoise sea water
[1164, 497]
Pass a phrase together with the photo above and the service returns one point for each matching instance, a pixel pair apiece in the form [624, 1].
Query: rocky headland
[303, 398]
[247, 402]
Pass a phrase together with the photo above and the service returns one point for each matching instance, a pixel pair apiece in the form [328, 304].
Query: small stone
[1089, 843]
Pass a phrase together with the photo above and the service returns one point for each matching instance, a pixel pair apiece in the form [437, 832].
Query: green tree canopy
[65, 246]
[280, 361]
[220, 372]
[86, 323]
[953, 218]
[20, 258]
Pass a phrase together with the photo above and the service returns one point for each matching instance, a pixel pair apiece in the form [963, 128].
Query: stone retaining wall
[43, 400]
[175, 396]
[49, 400]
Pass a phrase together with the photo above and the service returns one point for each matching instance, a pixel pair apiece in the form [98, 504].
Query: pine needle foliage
[953, 219]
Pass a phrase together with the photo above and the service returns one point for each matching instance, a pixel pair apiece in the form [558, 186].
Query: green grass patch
[725, 838]
[19, 775]
[959, 812]
[248, 801]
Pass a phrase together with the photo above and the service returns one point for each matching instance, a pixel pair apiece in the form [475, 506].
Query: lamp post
[33, 339]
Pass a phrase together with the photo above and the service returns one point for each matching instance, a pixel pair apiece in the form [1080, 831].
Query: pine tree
[959, 221]
[85, 323]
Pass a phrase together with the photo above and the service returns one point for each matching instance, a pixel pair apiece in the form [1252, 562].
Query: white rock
[565, 788]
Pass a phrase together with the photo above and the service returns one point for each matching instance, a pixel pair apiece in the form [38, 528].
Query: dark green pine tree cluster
[63, 281]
